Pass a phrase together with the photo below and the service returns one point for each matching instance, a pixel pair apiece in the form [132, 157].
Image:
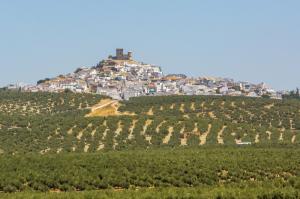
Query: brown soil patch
[158, 127]
[119, 129]
[172, 106]
[86, 148]
[269, 106]
[101, 145]
[168, 137]
[204, 135]
[256, 138]
[281, 137]
[220, 135]
[147, 123]
[196, 130]
[182, 108]
[70, 131]
[293, 139]
[269, 134]
[212, 115]
[150, 112]
[193, 106]
[107, 107]
[93, 132]
[186, 116]
[130, 136]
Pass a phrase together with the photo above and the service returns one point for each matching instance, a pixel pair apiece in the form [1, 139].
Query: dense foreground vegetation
[151, 168]
[220, 192]
[57, 123]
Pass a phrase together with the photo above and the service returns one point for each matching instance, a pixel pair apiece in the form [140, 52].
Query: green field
[167, 147]
[198, 168]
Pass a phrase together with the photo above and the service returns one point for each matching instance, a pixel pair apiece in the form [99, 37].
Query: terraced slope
[56, 123]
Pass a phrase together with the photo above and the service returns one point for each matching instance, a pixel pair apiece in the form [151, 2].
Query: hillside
[66, 122]
[148, 147]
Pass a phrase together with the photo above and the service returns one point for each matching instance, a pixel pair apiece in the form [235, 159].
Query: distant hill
[64, 122]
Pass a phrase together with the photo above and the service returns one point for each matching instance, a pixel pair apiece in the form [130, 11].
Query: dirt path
[269, 106]
[256, 138]
[158, 127]
[196, 130]
[106, 107]
[186, 116]
[70, 131]
[212, 115]
[119, 129]
[80, 134]
[220, 135]
[293, 139]
[161, 108]
[117, 133]
[86, 147]
[172, 106]
[204, 135]
[281, 136]
[168, 137]
[193, 106]
[130, 136]
[150, 112]
[269, 134]
[291, 124]
[101, 145]
[93, 132]
[182, 108]
[103, 103]
[147, 123]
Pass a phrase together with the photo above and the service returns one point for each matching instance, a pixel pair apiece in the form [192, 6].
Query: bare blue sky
[257, 40]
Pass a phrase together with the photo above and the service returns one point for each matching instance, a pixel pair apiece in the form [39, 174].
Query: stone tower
[119, 53]
[129, 55]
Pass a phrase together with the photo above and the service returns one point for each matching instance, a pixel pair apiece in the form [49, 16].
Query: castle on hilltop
[119, 59]
[120, 55]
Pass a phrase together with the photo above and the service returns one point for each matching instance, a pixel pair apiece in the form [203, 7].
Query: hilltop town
[122, 77]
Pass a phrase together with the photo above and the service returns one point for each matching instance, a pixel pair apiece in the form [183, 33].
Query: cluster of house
[121, 77]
